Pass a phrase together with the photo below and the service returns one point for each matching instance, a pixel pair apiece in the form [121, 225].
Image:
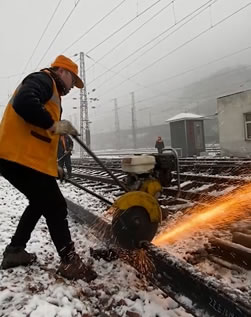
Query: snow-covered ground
[38, 291]
[239, 279]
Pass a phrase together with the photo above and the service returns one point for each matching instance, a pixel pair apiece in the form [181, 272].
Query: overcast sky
[153, 48]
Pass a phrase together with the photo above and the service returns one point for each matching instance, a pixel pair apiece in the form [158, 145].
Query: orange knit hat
[68, 64]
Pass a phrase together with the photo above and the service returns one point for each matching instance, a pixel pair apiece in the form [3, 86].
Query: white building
[234, 117]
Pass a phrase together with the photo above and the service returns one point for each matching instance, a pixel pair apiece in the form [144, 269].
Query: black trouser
[45, 199]
[66, 160]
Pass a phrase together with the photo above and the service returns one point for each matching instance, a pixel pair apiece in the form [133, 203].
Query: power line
[109, 69]
[172, 90]
[10, 76]
[168, 35]
[182, 45]
[132, 33]
[45, 29]
[123, 26]
[118, 73]
[94, 25]
[206, 64]
[193, 69]
[203, 98]
[59, 31]
[174, 15]
[192, 39]
[159, 35]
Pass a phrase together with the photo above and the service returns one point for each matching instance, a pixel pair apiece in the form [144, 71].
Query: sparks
[223, 210]
[139, 260]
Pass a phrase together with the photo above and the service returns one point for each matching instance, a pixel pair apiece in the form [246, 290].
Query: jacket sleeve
[70, 142]
[36, 89]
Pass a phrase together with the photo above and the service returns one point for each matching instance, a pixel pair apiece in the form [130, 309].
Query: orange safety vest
[27, 144]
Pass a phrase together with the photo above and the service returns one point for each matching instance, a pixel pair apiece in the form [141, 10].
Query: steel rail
[177, 278]
[89, 151]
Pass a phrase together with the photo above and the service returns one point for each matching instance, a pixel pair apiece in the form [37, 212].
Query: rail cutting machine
[137, 214]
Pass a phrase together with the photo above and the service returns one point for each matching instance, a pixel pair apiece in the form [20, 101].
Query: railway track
[183, 273]
[177, 278]
[196, 185]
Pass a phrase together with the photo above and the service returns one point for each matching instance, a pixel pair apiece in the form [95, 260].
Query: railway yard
[125, 158]
[201, 181]
[204, 271]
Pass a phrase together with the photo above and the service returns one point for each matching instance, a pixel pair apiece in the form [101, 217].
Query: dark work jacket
[68, 146]
[159, 145]
[35, 91]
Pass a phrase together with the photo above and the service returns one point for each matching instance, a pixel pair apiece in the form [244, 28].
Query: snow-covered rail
[195, 291]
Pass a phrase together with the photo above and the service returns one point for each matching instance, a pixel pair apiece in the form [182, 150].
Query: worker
[65, 146]
[29, 135]
[159, 144]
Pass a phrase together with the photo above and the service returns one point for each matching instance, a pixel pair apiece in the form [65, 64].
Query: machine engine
[142, 169]
[137, 213]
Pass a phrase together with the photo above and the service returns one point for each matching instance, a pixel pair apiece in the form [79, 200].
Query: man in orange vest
[29, 135]
[65, 146]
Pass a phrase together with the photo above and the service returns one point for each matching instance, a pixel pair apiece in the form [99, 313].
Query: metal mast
[84, 119]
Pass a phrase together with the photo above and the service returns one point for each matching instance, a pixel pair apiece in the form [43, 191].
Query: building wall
[231, 111]
[195, 137]
[178, 137]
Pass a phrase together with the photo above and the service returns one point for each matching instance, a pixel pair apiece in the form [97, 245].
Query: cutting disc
[133, 226]
[136, 219]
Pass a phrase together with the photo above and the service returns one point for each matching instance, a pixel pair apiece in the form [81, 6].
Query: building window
[247, 117]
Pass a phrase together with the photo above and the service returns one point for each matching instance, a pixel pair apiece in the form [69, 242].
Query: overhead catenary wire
[57, 34]
[180, 46]
[182, 73]
[132, 33]
[110, 69]
[192, 39]
[174, 15]
[191, 70]
[121, 75]
[202, 65]
[203, 98]
[158, 36]
[123, 26]
[94, 25]
[42, 35]
[10, 76]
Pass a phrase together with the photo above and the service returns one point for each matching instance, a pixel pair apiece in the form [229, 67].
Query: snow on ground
[236, 279]
[37, 291]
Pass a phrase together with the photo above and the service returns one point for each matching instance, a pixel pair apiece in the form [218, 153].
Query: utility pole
[134, 136]
[117, 126]
[84, 118]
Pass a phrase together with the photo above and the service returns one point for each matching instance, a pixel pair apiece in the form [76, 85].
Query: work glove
[64, 127]
[61, 173]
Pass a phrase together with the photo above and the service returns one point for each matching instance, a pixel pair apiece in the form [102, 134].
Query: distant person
[159, 145]
[65, 146]
[29, 133]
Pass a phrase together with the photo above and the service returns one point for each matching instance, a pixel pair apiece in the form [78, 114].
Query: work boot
[73, 268]
[15, 256]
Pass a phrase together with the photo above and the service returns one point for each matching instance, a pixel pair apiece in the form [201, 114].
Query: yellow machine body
[141, 199]
[152, 187]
